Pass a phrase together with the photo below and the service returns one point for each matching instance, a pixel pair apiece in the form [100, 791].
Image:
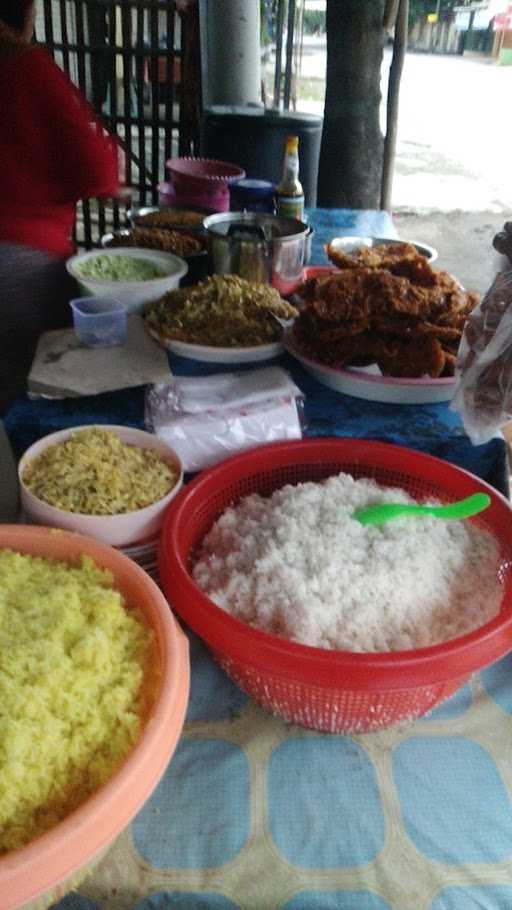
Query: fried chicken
[383, 256]
[409, 359]
[407, 318]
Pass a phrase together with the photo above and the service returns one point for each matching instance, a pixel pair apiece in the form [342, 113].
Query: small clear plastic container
[99, 321]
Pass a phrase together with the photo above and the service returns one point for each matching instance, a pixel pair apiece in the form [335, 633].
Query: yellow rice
[93, 473]
[72, 664]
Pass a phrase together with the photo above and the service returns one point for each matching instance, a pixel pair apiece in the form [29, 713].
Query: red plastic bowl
[203, 182]
[193, 173]
[337, 691]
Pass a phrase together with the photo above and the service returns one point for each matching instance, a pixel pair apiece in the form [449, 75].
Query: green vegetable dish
[120, 268]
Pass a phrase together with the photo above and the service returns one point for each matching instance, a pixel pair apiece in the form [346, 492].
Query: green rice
[72, 665]
[105, 267]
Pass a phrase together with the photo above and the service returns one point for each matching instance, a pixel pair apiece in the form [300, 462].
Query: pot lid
[259, 225]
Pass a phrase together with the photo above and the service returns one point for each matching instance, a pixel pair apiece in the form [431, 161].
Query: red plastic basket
[203, 182]
[337, 691]
[192, 173]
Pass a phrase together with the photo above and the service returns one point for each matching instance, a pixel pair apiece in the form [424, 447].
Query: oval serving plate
[348, 244]
[367, 383]
[194, 224]
[210, 354]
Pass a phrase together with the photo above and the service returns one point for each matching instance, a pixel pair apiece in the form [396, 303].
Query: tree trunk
[351, 152]
[395, 74]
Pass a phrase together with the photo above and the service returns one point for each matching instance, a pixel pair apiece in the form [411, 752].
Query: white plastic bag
[205, 419]
[483, 391]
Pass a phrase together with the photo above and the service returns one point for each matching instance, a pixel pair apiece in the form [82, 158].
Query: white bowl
[349, 244]
[134, 294]
[210, 354]
[116, 530]
[369, 383]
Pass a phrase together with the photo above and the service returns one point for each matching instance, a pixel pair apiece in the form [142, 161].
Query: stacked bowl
[203, 182]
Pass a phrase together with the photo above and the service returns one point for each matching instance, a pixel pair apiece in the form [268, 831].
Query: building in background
[502, 27]
[469, 27]
[474, 25]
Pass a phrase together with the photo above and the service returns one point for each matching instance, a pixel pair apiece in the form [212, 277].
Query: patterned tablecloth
[256, 814]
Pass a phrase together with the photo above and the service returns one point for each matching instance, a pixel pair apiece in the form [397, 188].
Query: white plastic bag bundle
[205, 419]
[483, 391]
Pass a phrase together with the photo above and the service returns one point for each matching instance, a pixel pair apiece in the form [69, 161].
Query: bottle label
[290, 169]
[290, 206]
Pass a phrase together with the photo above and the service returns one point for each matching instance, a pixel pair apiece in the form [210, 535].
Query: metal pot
[258, 247]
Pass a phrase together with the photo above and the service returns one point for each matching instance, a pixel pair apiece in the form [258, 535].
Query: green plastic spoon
[464, 508]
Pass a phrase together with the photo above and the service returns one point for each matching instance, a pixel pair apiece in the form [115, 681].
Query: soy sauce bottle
[289, 192]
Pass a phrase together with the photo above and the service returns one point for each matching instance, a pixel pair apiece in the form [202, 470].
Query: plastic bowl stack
[39, 874]
[203, 182]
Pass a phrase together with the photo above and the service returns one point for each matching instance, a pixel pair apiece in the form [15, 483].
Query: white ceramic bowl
[134, 294]
[116, 530]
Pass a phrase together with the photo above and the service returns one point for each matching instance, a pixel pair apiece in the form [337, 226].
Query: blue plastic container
[252, 196]
[99, 322]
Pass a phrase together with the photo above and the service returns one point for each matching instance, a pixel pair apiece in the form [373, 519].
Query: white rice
[299, 566]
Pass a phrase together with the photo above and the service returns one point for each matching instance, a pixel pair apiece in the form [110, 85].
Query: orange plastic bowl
[42, 872]
[335, 691]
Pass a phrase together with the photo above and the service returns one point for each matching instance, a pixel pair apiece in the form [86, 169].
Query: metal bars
[287, 16]
[125, 56]
[289, 53]
[279, 51]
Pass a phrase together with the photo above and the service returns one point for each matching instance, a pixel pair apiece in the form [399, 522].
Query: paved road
[454, 140]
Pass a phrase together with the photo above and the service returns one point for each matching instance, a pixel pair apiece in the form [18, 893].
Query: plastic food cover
[483, 390]
[205, 419]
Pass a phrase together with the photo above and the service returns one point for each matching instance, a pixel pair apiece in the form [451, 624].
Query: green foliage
[314, 21]
[419, 9]
[264, 35]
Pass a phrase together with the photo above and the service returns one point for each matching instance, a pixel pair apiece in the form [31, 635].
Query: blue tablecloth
[430, 428]
[258, 815]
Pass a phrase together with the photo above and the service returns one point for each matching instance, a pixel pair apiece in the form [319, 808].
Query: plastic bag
[483, 390]
[205, 419]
